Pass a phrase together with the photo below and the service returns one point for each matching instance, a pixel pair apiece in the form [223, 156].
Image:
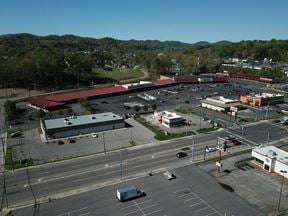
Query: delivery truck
[128, 193]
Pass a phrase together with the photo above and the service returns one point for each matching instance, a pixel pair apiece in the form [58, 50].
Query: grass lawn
[10, 164]
[159, 134]
[118, 74]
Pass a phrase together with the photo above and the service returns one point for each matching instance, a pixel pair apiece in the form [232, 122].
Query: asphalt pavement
[193, 192]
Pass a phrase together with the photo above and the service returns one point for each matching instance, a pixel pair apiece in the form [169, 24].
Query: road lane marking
[73, 211]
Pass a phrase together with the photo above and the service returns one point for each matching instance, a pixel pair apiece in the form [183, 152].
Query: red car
[60, 142]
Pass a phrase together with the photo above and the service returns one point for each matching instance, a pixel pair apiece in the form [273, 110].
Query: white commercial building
[219, 103]
[78, 125]
[141, 84]
[169, 119]
[272, 159]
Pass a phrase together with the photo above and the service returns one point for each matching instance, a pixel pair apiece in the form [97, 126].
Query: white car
[95, 135]
[210, 149]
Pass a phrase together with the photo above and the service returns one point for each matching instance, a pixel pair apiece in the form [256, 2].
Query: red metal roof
[42, 102]
[46, 102]
[163, 82]
[86, 93]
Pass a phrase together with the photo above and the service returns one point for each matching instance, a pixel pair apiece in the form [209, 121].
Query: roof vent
[93, 117]
[272, 153]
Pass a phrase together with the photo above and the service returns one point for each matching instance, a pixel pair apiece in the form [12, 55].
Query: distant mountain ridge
[69, 41]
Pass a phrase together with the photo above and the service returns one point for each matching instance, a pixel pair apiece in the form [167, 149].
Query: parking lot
[193, 192]
[181, 97]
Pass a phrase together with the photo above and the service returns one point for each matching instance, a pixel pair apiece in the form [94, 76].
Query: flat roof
[169, 115]
[273, 152]
[127, 189]
[224, 103]
[80, 120]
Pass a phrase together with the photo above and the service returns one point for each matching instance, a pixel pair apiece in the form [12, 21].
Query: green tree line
[67, 61]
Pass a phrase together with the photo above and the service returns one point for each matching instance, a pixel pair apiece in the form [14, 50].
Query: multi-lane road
[38, 184]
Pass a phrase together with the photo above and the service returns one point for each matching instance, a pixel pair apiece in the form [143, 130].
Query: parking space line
[127, 207]
[211, 213]
[149, 206]
[187, 200]
[189, 193]
[139, 207]
[145, 201]
[196, 203]
[131, 212]
[198, 210]
[153, 212]
[84, 214]
[182, 190]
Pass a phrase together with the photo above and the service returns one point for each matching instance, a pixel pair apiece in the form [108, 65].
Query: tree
[85, 104]
[145, 108]
[68, 112]
[137, 108]
[153, 107]
[10, 110]
[40, 113]
[79, 65]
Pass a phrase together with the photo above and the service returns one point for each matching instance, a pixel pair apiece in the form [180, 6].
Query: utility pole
[281, 188]
[268, 137]
[104, 144]
[266, 114]
[4, 177]
[192, 150]
[121, 164]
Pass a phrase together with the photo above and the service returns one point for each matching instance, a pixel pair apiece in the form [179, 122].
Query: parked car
[236, 142]
[71, 140]
[95, 135]
[16, 134]
[181, 154]
[60, 142]
[168, 175]
[210, 149]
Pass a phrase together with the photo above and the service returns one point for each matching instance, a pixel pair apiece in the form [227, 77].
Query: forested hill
[76, 43]
[56, 61]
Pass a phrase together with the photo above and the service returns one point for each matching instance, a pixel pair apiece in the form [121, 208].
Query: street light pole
[266, 114]
[280, 194]
[104, 144]
[4, 175]
[268, 137]
[192, 150]
[121, 163]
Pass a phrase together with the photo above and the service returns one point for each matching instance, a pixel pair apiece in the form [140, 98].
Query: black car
[72, 140]
[181, 154]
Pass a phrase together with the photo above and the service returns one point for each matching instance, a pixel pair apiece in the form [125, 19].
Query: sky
[187, 21]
